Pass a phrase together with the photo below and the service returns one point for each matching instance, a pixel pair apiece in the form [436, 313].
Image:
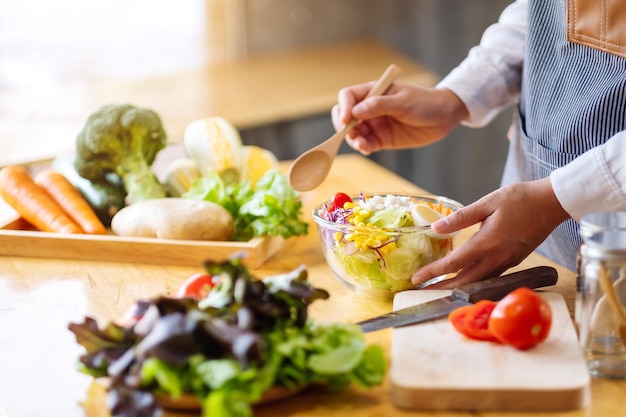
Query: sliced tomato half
[197, 286]
[457, 318]
[472, 321]
[477, 320]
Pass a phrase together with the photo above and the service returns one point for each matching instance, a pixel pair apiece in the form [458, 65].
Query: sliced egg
[424, 215]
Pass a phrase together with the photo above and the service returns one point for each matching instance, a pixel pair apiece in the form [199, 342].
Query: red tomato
[197, 286]
[472, 321]
[133, 314]
[522, 319]
[340, 199]
[476, 320]
[457, 318]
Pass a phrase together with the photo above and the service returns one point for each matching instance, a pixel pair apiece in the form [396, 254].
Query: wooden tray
[17, 240]
[433, 367]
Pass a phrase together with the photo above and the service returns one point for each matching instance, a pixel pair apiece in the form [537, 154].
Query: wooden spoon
[311, 168]
[609, 292]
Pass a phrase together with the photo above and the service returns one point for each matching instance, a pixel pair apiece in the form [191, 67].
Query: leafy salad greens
[271, 208]
[227, 350]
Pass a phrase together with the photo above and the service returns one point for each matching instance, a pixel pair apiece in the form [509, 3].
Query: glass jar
[603, 251]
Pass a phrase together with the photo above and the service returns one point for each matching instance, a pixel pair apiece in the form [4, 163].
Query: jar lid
[607, 220]
[605, 244]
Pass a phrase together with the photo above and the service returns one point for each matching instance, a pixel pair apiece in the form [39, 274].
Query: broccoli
[122, 140]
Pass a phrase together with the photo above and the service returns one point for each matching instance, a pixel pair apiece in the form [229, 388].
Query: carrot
[32, 202]
[71, 201]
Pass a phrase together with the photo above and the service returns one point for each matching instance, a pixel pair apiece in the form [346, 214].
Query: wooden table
[39, 297]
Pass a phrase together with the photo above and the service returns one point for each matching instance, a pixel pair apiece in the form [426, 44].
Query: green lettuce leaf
[227, 354]
[272, 208]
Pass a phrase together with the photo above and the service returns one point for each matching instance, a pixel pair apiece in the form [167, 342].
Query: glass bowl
[375, 243]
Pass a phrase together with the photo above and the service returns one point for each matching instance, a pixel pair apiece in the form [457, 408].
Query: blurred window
[62, 40]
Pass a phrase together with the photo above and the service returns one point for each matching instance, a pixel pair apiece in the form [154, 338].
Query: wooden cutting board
[433, 367]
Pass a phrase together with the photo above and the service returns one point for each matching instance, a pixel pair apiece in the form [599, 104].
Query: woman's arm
[489, 79]
[595, 181]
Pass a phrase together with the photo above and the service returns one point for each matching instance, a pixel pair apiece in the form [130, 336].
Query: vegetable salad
[227, 342]
[376, 242]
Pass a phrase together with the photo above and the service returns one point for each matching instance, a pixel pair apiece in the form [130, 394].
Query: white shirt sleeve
[489, 79]
[595, 181]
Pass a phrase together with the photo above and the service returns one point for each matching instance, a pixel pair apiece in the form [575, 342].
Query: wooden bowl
[188, 403]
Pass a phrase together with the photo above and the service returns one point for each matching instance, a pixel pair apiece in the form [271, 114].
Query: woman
[564, 65]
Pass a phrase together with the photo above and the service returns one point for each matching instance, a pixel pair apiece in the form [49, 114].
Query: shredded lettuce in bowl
[375, 243]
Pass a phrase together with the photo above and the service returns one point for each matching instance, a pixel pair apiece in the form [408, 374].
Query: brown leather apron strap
[599, 24]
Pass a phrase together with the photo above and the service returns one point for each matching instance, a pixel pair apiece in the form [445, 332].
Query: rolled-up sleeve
[489, 79]
[595, 181]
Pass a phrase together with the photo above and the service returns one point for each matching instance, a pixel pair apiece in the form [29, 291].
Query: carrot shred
[32, 202]
[439, 206]
[71, 201]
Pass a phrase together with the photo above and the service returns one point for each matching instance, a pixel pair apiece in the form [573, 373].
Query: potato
[174, 218]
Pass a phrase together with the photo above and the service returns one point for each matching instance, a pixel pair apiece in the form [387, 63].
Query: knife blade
[494, 289]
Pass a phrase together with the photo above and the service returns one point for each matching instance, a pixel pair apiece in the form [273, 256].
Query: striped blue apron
[573, 98]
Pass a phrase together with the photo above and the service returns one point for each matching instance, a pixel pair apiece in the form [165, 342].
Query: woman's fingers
[347, 98]
[514, 220]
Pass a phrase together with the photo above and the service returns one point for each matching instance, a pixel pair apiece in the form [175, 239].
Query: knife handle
[497, 287]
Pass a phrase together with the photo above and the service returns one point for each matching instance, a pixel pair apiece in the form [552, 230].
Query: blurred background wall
[55, 55]
[437, 33]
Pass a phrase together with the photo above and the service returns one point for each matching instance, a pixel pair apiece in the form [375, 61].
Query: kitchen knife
[488, 289]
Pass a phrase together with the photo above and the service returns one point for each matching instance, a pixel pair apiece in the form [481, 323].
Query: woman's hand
[514, 221]
[407, 116]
